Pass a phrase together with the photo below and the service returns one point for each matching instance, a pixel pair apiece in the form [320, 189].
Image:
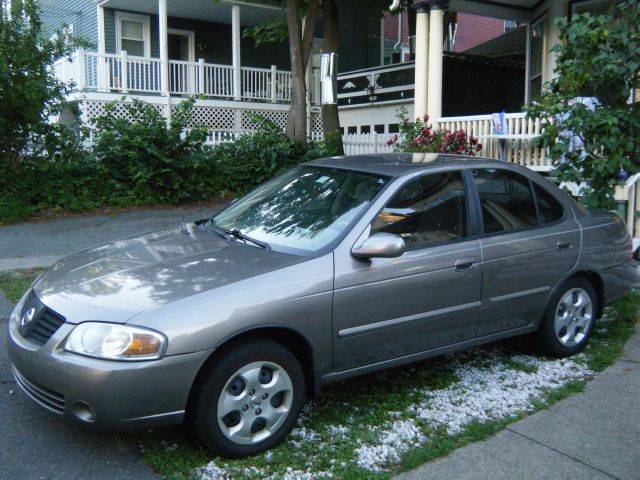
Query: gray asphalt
[40, 244]
[591, 435]
[35, 444]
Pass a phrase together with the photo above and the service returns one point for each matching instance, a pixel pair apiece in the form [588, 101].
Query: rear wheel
[569, 319]
[248, 400]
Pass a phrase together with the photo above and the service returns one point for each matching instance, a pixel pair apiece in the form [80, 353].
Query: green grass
[13, 284]
[367, 403]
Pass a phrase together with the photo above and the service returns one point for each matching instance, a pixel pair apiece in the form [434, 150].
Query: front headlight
[115, 342]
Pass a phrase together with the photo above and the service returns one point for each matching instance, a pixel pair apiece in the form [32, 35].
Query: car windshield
[304, 209]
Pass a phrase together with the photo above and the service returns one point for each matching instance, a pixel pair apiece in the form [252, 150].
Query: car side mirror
[382, 245]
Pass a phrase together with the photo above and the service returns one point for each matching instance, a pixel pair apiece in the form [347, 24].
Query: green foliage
[599, 57]
[138, 159]
[29, 93]
[269, 31]
[420, 136]
[254, 158]
[146, 161]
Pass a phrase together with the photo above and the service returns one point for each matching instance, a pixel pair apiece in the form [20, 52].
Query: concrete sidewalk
[591, 435]
[28, 245]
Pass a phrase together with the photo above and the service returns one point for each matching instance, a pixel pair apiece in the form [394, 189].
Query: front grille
[52, 401]
[44, 323]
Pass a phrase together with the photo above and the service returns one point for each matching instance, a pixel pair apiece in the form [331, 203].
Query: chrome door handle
[464, 263]
[563, 245]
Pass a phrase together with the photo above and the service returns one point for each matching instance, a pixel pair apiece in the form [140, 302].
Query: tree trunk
[330, 117]
[299, 49]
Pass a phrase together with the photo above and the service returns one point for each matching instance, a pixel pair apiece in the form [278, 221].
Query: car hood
[117, 280]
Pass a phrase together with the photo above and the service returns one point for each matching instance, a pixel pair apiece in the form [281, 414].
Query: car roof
[398, 164]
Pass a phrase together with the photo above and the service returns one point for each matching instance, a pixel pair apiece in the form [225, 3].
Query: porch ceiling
[204, 10]
[522, 10]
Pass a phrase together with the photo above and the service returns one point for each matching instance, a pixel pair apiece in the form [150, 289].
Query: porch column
[436, 45]
[422, 57]
[235, 48]
[164, 50]
[102, 71]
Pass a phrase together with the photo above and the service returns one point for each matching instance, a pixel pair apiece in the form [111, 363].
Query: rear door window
[506, 200]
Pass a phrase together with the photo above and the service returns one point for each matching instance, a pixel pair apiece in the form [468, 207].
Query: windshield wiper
[238, 234]
[209, 225]
[235, 233]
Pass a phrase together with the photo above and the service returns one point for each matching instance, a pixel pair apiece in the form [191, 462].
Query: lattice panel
[214, 118]
[93, 109]
[279, 117]
[316, 124]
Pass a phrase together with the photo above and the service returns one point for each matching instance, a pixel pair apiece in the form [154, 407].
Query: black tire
[204, 410]
[556, 340]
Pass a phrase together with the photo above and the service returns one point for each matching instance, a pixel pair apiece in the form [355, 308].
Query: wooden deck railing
[121, 73]
[517, 145]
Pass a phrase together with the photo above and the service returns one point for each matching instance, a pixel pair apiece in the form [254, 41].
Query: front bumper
[106, 393]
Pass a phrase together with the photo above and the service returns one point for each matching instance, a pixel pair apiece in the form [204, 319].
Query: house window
[132, 33]
[510, 25]
[536, 58]
[593, 7]
[365, 129]
[352, 130]
[394, 128]
[378, 128]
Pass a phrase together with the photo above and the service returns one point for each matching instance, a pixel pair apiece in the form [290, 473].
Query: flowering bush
[420, 136]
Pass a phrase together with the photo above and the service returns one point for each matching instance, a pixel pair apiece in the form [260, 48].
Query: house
[461, 89]
[166, 50]
[163, 51]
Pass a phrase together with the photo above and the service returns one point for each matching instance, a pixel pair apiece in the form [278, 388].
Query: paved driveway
[35, 444]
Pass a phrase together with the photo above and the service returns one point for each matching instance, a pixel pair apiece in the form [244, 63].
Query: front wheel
[569, 319]
[248, 400]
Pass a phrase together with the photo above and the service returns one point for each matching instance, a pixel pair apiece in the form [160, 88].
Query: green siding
[79, 13]
[359, 35]
[212, 42]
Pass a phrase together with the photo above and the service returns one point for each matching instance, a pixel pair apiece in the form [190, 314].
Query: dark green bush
[146, 161]
[256, 157]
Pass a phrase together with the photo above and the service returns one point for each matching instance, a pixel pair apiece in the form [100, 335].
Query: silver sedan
[338, 267]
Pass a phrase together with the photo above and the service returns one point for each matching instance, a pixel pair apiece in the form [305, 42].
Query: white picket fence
[356, 144]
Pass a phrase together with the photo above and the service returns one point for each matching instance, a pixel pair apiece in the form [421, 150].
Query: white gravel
[394, 440]
[489, 390]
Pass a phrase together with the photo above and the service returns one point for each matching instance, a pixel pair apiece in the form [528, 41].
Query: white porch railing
[356, 144]
[516, 146]
[121, 73]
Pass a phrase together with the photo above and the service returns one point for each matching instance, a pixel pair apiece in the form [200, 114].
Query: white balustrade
[356, 144]
[90, 70]
[517, 146]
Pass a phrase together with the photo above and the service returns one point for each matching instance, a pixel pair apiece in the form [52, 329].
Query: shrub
[139, 159]
[144, 160]
[420, 136]
[256, 157]
[597, 57]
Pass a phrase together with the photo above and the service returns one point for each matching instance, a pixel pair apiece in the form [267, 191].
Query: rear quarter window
[549, 209]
